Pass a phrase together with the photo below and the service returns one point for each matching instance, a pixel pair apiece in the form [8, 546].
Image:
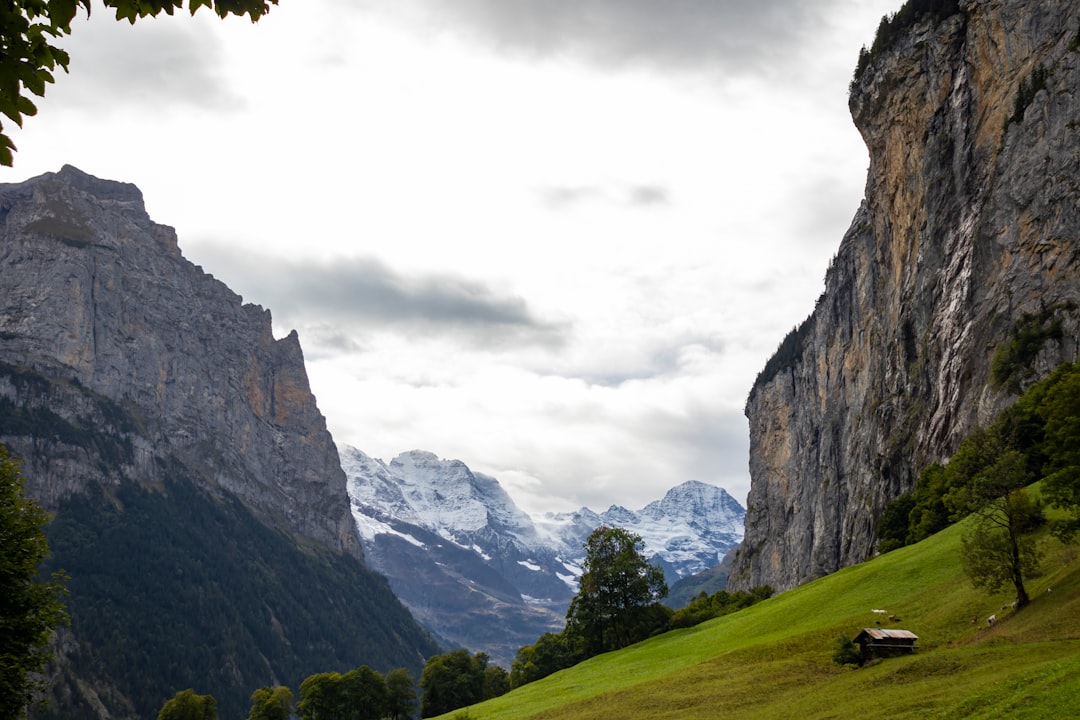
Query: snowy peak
[442, 496]
[688, 530]
[700, 505]
[472, 565]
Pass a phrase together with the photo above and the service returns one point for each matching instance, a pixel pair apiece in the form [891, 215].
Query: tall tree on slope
[618, 591]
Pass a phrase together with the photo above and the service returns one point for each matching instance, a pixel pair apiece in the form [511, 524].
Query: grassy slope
[773, 660]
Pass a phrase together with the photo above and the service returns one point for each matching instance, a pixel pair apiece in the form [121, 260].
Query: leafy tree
[616, 591]
[322, 697]
[496, 682]
[549, 654]
[456, 679]
[29, 607]
[271, 704]
[186, 705]
[28, 56]
[893, 523]
[928, 514]
[998, 549]
[1059, 409]
[364, 694]
[400, 694]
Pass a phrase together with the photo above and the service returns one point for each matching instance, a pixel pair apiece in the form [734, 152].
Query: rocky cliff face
[964, 250]
[145, 361]
[201, 512]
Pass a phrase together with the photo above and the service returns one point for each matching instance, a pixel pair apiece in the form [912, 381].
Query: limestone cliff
[97, 298]
[201, 512]
[966, 241]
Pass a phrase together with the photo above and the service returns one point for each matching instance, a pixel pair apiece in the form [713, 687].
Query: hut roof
[887, 634]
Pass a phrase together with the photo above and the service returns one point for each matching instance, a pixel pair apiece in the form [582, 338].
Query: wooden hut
[883, 643]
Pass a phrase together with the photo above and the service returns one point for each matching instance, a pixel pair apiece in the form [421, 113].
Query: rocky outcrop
[955, 286]
[200, 509]
[144, 362]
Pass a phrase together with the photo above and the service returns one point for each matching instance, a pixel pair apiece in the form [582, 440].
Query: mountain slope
[480, 572]
[953, 289]
[191, 473]
[773, 660]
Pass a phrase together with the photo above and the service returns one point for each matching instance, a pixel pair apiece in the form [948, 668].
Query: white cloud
[555, 240]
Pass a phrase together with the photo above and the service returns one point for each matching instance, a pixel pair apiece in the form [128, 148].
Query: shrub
[846, 652]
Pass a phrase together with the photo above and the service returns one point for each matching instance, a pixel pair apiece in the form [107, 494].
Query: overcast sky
[554, 239]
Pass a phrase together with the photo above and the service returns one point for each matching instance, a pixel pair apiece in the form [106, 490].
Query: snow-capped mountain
[481, 573]
[687, 531]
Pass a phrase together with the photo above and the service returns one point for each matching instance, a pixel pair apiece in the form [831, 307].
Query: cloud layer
[730, 37]
[360, 296]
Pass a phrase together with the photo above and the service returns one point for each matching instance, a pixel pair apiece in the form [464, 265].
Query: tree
[322, 697]
[998, 548]
[364, 692]
[271, 704]
[400, 694]
[28, 56]
[550, 653]
[29, 608]
[186, 705]
[617, 588]
[1059, 409]
[456, 679]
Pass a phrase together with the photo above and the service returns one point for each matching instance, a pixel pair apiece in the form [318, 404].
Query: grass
[773, 660]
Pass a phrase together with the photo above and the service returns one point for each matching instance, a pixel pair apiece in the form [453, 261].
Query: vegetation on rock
[178, 589]
[1034, 439]
[893, 26]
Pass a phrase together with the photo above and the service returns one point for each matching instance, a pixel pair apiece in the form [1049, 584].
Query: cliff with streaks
[956, 286]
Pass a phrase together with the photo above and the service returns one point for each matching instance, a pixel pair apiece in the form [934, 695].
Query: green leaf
[62, 12]
[26, 108]
[6, 146]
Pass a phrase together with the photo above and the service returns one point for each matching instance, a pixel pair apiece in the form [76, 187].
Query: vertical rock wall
[969, 228]
[146, 364]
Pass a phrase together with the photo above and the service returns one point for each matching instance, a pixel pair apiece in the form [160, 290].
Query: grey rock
[97, 298]
[969, 223]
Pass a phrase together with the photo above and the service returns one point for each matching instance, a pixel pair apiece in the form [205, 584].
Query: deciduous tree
[322, 697]
[998, 548]
[1060, 410]
[29, 608]
[616, 591]
[456, 679]
[271, 703]
[187, 705]
[400, 694]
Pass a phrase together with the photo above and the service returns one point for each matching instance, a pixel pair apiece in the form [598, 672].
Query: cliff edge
[145, 362]
[954, 288]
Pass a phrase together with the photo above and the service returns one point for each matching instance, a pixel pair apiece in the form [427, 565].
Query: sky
[553, 239]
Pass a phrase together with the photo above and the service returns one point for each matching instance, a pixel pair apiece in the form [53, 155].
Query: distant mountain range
[481, 573]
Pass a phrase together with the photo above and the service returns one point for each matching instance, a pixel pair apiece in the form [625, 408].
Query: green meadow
[774, 659]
